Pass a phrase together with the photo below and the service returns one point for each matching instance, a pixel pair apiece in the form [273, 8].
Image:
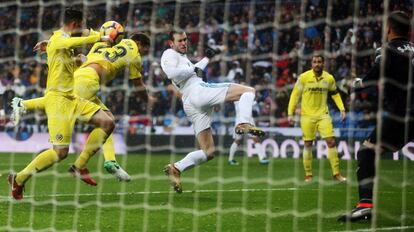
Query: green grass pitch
[216, 197]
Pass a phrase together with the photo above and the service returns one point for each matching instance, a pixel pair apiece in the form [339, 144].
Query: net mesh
[267, 45]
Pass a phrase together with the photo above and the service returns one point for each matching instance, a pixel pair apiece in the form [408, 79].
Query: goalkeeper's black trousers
[395, 134]
[366, 174]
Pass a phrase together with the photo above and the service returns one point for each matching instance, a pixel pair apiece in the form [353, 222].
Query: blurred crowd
[266, 44]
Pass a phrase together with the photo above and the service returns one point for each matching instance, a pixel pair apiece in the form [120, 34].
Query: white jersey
[180, 70]
[198, 97]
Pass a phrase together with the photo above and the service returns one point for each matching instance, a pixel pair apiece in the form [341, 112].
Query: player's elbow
[251, 90]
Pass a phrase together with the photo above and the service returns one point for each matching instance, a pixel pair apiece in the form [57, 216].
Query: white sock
[192, 159]
[260, 151]
[233, 149]
[237, 111]
[245, 107]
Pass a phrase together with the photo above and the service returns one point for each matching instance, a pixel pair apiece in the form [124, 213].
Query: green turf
[212, 201]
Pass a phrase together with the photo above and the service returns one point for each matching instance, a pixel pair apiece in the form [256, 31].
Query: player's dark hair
[173, 32]
[399, 23]
[142, 38]
[72, 15]
[319, 55]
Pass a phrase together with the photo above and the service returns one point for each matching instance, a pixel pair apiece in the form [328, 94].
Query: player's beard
[317, 71]
[182, 50]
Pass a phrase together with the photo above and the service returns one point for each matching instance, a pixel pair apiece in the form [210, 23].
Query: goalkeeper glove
[357, 83]
[200, 73]
[209, 52]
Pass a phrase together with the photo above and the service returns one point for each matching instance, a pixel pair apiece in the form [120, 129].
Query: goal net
[264, 44]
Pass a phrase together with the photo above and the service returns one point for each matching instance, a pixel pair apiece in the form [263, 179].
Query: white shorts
[198, 103]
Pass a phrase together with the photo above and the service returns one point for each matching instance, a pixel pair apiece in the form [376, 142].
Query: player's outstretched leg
[247, 128]
[83, 174]
[18, 110]
[174, 175]
[113, 167]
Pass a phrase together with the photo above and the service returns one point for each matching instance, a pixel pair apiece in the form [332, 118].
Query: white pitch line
[166, 192]
[378, 229]
[156, 192]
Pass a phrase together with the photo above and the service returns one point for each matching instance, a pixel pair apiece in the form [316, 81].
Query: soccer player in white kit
[199, 98]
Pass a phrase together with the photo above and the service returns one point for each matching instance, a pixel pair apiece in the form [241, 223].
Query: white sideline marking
[378, 229]
[156, 192]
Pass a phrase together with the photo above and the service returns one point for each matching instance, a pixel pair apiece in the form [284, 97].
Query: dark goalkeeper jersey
[398, 98]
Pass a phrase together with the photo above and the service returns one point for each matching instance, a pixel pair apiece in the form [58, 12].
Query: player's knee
[62, 152]
[308, 144]
[108, 125]
[331, 143]
[365, 157]
[210, 153]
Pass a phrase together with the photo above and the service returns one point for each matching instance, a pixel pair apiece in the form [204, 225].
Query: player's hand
[41, 46]
[210, 53]
[343, 116]
[107, 38]
[291, 119]
[150, 103]
[200, 73]
[80, 59]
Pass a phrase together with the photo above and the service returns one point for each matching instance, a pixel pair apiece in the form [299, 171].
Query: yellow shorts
[312, 124]
[87, 86]
[62, 111]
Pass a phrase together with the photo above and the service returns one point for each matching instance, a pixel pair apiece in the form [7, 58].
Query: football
[114, 30]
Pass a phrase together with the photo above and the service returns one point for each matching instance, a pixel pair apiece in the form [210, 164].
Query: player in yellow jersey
[102, 63]
[62, 106]
[313, 87]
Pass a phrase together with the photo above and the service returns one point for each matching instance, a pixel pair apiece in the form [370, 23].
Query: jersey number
[111, 56]
[98, 49]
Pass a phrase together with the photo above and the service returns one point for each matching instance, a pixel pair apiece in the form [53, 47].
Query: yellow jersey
[314, 93]
[60, 60]
[115, 58]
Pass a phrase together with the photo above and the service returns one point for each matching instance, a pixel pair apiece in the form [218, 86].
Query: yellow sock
[95, 140]
[35, 103]
[109, 149]
[307, 161]
[43, 161]
[334, 160]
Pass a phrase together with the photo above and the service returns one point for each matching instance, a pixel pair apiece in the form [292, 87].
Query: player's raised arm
[294, 98]
[169, 64]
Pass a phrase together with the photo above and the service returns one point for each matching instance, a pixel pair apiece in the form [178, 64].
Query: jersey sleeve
[135, 68]
[71, 42]
[332, 85]
[336, 97]
[295, 96]
[170, 65]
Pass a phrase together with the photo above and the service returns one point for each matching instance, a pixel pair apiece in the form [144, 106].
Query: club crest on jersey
[59, 137]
